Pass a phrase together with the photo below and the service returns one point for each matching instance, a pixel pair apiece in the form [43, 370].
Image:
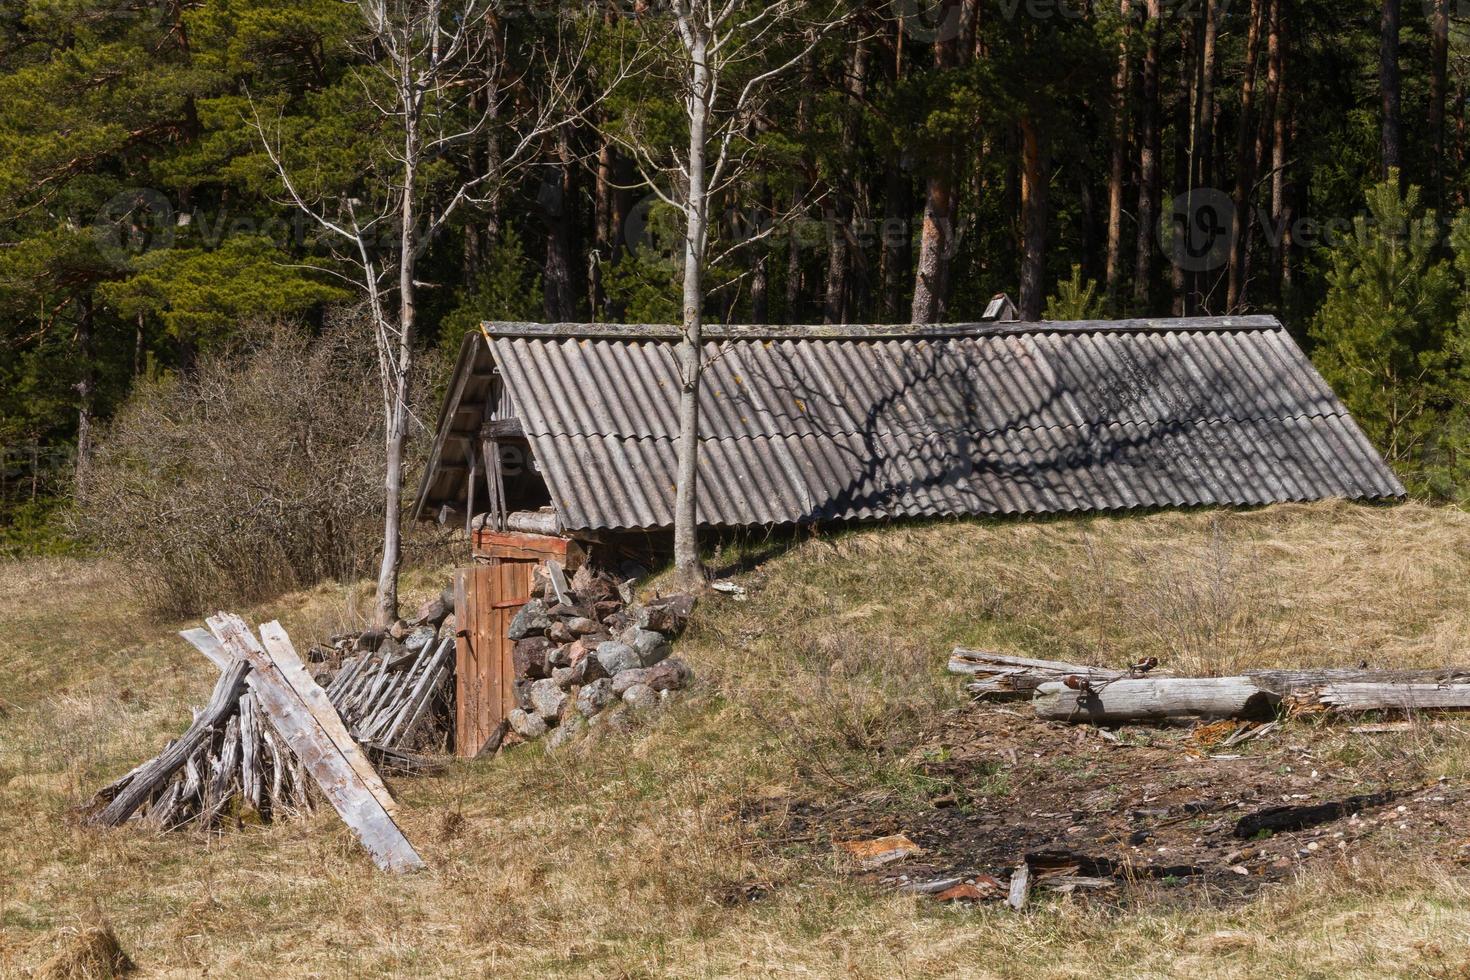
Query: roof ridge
[903, 331]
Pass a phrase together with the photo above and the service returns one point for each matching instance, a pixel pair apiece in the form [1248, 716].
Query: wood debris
[875, 853]
[269, 739]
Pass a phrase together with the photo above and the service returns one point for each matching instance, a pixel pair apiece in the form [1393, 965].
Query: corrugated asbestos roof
[804, 424]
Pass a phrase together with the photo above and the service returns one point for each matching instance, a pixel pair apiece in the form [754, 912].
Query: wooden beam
[502, 429]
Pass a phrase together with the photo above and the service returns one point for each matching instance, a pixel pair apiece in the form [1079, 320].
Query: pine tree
[1384, 329]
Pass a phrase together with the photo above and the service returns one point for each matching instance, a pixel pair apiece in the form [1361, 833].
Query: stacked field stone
[588, 658]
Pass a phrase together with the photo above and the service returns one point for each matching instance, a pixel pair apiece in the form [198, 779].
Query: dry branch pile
[394, 689]
[233, 762]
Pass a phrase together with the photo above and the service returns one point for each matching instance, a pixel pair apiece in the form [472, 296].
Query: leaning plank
[283, 655]
[964, 661]
[332, 762]
[151, 776]
[1154, 699]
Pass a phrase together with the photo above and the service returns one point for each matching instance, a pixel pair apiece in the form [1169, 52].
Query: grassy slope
[620, 857]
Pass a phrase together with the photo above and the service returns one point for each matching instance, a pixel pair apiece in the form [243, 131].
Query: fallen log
[1005, 675]
[1089, 696]
[1402, 698]
[1130, 699]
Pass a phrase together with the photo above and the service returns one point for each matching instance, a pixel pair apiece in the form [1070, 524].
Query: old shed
[803, 424]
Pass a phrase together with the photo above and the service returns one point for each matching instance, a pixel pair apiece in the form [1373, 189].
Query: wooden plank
[1129, 699]
[463, 630]
[283, 655]
[1020, 891]
[488, 640]
[966, 661]
[502, 429]
[1004, 675]
[330, 762]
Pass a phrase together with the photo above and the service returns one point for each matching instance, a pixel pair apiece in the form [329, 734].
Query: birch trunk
[686, 539]
[397, 390]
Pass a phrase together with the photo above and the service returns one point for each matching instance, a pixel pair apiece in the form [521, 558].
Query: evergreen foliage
[141, 222]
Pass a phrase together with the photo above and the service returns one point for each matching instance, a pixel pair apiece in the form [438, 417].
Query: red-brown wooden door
[486, 598]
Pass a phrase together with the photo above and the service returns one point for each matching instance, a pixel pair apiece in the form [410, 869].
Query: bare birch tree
[726, 57]
[434, 77]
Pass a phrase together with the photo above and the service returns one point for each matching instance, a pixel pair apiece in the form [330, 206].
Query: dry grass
[629, 856]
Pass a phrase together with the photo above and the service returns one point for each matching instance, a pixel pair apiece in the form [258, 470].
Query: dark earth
[1152, 812]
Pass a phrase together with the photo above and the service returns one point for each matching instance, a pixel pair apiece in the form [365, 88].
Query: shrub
[258, 472]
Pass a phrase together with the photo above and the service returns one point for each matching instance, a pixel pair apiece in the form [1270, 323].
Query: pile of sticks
[229, 753]
[1061, 691]
[232, 762]
[387, 697]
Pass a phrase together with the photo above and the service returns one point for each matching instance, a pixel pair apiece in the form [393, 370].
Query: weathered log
[1404, 698]
[523, 522]
[151, 777]
[1131, 699]
[1004, 675]
[1286, 683]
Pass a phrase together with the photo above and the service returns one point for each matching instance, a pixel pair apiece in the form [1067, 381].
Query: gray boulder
[593, 697]
[565, 677]
[568, 730]
[547, 699]
[529, 658]
[526, 725]
[651, 647]
[641, 697]
[672, 674]
[625, 680]
[617, 718]
[530, 621]
[667, 615]
[616, 657]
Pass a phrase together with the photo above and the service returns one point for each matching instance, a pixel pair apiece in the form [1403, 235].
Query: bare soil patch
[1163, 814]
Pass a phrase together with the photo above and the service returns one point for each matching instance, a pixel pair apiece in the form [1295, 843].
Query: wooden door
[486, 598]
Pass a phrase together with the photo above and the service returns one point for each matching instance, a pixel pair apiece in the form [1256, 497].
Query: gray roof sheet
[804, 424]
